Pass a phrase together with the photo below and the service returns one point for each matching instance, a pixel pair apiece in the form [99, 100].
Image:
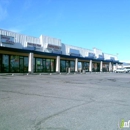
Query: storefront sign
[112, 58]
[57, 52]
[91, 55]
[74, 52]
[100, 57]
[7, 39]
[33, 45]
[55, 47]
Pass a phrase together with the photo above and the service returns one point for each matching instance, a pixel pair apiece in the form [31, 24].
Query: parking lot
[91, 101]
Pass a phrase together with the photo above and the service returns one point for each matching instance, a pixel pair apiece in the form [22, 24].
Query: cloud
[3, 9]
[3, 13]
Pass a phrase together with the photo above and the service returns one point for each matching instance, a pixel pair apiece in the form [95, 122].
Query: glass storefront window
[39, 66]
[86, 66]
[72, 66]
[25, 64]
[67, 65]
[52, 65]
[94, 67]
[79, 66]
[98, 67]
[62, 66]
[44, 65]
[105, 67]
[14, 63]
[5, 63]
[48, 65]
[21, 62]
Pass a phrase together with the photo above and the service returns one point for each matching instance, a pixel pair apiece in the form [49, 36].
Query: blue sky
[104, 24]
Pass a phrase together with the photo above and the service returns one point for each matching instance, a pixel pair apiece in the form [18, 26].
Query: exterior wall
[45, 40]
[41, 44]
[110, 57]
[20, 41]
[98, 53]
[83, 52]
[89, 53]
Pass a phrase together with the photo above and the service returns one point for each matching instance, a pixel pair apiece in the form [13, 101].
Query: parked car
[127, 69]
[123, 70]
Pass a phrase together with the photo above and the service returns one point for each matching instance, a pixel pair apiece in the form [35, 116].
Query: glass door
[44, 65]
[86, 66]
[14, 63]
[52, 65]
[62, 66]
[79, 66]
[72, 66]
[5, 63]
[48, 65]
[25, 65]
[21, 65]
[67, 66]
[98, 67]
[39, 66]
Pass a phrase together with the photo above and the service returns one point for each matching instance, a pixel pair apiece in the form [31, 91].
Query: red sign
[50, 46]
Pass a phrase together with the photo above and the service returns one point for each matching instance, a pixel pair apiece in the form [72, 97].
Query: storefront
[25, 54]
[13, 63]
[44, 65]
[65, 65]
[95, 67]
[105, 67]
[82, 65]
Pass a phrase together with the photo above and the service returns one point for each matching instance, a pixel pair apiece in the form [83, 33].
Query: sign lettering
[7, 39]
[34, 45]
[50, 46]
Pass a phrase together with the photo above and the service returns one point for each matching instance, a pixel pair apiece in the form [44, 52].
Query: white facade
[110, 57]
[50, 45]
[98, 53]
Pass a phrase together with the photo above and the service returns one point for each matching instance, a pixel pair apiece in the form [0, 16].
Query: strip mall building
[22, 54]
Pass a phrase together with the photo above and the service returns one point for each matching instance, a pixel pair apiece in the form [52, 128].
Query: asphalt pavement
[92, 101]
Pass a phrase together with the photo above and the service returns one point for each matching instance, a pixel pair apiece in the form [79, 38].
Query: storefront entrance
[13, 64]
[66, 65]
[105, 67]
[96, 67]
[23, 62]
[44, 65]
[85, 66]
[80, 66]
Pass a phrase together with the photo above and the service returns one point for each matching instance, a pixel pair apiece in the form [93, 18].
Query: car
[120, 70]
[127, 69]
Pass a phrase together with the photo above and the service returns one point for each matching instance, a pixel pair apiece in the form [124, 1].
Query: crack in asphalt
[113, 102]
[37, 126]
[113, 80]
[29, 94]
[69, 82]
